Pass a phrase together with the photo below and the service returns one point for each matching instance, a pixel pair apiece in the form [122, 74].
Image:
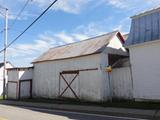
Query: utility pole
[5, 52]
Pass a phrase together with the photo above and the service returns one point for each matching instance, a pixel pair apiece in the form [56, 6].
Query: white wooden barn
[78, 70]
[19, 82]
[8, 65]
[144, 50]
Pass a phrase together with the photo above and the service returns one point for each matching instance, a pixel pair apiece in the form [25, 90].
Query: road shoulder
[123, 112]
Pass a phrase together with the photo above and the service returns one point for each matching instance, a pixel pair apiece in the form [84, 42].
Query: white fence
[121, 83]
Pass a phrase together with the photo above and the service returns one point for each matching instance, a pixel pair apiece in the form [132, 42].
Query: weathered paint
[87, 85]
[91, 85]
[13, 75]
[8, 65]
[15, 86]
[12, 90]
[121, 82]
[146, 70]
[25, 89]
[105, 89]
[107, 82]
[16, 75]
[82, 48]
[26, 74]
[114, 47]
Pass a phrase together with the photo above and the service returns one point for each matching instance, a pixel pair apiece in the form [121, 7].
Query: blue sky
[66, 22]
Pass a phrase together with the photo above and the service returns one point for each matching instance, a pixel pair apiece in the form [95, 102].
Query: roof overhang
[19, 68]
[146, 13]
[67, 58]
[142, 44]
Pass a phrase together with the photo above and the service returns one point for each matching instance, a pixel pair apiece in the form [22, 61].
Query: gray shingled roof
[85, 47]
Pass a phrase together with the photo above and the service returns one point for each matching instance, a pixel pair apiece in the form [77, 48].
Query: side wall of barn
[106, 78]
[8, 65]
[89, 82]
[19, 83]
[145, 61]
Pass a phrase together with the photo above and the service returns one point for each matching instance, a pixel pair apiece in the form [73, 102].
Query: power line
[14, 40]
[1, 31]
[19, 14]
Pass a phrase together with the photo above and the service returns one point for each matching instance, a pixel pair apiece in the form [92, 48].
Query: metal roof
[145, 28]
[82, 48]
[144, 13]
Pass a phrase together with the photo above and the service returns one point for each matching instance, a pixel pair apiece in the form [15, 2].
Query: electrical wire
[14, 40]
[19, 14]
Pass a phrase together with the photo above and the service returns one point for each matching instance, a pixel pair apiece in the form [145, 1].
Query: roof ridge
[146, 12]
[93, 46]
[116, 31]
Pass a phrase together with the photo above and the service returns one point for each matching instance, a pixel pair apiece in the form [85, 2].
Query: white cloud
[69, 6]
[118, 3]
[92, 29]
[49, 39]
[80, 36]
[24, 16]
[28, 51]
[130, 4]
[72, 6]
[64, 37]
[35, 6]
[46, 40]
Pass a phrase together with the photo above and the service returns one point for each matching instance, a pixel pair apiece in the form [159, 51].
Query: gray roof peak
[82, 48]
[144, 13]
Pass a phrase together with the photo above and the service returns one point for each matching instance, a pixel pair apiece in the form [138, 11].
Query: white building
[19, 82]
[78, 70]
[144, 50]
[8, 65]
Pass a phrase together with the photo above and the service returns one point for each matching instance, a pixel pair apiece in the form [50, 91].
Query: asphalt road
[30, 113]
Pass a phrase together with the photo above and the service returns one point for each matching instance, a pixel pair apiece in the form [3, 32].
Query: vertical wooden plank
[7, 90]
[148, 27]
[136, 35]
[30, 88]
[132, 33]
[155, 26]
[59, 91]
[122, 83]
[158, 25]
[142, 29]
[19, 89]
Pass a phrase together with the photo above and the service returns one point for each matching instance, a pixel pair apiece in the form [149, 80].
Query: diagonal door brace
[69, 86]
